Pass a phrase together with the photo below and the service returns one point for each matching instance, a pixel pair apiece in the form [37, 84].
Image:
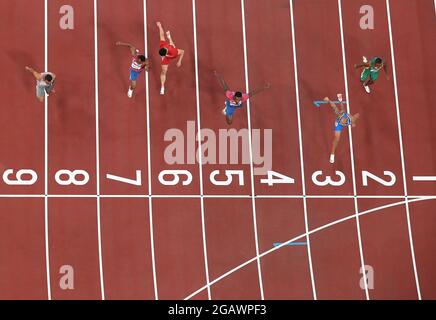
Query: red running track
[152, 241]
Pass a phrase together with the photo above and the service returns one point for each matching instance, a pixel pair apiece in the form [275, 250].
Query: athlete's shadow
[21, 59]
[119, 56]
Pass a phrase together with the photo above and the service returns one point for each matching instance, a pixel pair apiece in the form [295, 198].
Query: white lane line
[400, 136]
[424, 178]
[356, 208]
[207, 196]
[300, 138]
[284, 244]
[253, 201]
[47, 256]
[150, 205]
[200, 160]
[97, 149]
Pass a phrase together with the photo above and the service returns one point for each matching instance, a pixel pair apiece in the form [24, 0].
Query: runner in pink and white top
[235, 99]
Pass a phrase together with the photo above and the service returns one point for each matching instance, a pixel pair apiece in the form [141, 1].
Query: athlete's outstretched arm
[363, 65]
[161, 31]
[37, 75]
[335, 109]
[260, 89]
[125, 44]
[221, 80]
[354, 119]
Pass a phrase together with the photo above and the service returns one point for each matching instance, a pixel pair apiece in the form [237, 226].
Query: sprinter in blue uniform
[343, 119]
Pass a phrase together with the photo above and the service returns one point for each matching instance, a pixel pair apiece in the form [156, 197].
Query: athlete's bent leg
[335, 145]
[163, 78]
[131, 88]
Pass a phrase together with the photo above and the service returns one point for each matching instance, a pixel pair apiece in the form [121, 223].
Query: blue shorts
[230, 110]
[338, 126]
[134, 75]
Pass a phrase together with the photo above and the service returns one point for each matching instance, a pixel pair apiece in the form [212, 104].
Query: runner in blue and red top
[235, 99]
[139, 64]
[168, 52]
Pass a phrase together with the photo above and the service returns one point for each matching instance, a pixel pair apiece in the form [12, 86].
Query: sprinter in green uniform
[370, 71]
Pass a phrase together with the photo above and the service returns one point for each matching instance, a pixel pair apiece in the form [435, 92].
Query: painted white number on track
[19, 180]
[229, 174]
[276, 178]
[367, 174]
[72, 177]
[136, 182]
[175, 177]
[328, 180]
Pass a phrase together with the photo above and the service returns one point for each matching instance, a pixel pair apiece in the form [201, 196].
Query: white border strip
[207, 196]
[200, 153]
[400, 136]
[150, 205]
[424, 178]
[300, 138]
[344, 62]
[97, 149]
[47, 256]
[253, 202]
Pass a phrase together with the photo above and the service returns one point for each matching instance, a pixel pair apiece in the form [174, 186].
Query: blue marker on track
[318, 103]
[276, 244]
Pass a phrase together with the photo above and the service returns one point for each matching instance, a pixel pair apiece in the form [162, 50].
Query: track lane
[286, 273]
[22, 127]
[415, 80]
[270, 59]
[424, 240]
[317, 26]
[22, 250]
[178, 247]
[123, 128]
[71, 110]
[126, 249]
[375, 139]
[73, 242]
[320, 75]
[217, 28]
[386, 245]
[335, 251]
[230, 242]
[177, 109]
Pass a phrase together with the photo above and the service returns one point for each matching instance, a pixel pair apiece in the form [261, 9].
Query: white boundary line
[150, 205]
[321, 228]
[356, 208]
[424, 178]
[200, 164]
[400, 136]
[47, 256]
[207, 196]
[97, 149]
[253, 201]
[300, 138]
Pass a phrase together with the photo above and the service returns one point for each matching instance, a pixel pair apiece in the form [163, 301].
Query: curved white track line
[304, 235]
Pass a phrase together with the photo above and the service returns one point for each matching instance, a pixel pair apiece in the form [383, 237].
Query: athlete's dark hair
[163, 52]
[378, 60]
[238, 94]
[142, 58]
[48, 77]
